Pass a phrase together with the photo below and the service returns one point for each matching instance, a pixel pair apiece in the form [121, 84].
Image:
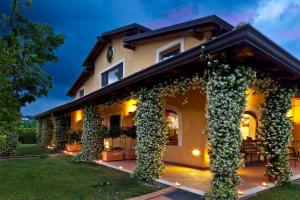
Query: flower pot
[73, 147]
[112, 155]
[129, 154]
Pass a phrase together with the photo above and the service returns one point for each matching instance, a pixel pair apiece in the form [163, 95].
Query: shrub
[27, 135]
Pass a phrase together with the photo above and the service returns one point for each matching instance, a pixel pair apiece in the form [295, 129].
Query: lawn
[285, 192]
[59, 178]
[31, 149]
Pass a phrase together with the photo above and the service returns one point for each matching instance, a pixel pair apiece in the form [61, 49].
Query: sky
[83, 20]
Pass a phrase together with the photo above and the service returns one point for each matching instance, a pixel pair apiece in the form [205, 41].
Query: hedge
[27, 135]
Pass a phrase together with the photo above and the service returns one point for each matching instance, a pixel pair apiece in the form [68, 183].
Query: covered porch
[198, 180]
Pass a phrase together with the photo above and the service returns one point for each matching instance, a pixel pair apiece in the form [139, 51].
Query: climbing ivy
[59, 135]
[45, 134]
[226, 93]
[92, 142]
[274, 132]
[151, 124]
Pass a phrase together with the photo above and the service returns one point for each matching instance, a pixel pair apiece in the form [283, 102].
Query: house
[133, 57]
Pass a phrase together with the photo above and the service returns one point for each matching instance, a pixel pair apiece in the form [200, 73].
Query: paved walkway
[170, 193]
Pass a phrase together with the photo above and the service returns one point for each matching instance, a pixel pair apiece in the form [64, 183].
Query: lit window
[112, 75]
[172, 119]
[81, 93]
[169, 53]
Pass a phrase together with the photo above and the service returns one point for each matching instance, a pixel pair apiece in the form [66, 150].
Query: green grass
[31, 149]
[289, 191]
[59, 178]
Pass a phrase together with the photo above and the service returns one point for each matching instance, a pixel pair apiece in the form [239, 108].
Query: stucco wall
[76, 120]
[142, 57]
[193, 130]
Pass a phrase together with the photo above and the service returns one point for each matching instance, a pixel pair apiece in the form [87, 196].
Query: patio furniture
[249, 148]
[129, 154]
[295, 144]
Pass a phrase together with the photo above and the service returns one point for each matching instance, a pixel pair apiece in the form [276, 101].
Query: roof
[130, 29]
[244, 35]
[213, 19]
[136, 32]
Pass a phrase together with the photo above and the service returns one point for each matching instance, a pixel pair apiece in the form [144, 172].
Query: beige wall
[76, 120]
[142, 57]
[193, 130]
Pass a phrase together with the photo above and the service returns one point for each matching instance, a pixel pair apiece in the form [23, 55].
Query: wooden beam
[129, 46]
[196, 34]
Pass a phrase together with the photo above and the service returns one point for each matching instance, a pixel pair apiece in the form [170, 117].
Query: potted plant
[110, 153]
[129, 153]
[74, 144]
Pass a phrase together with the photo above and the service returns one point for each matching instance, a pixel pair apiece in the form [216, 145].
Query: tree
[25, 47]
[34, 45]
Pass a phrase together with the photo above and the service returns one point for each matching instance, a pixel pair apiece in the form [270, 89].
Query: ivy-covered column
[275, 132]
[45, 134]
[59, 135]
[151, 134]
[226, 93]
[92, 142]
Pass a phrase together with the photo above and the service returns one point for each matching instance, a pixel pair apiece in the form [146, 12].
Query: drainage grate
[179, 194]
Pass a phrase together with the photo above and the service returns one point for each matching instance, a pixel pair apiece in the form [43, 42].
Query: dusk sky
[83, 20]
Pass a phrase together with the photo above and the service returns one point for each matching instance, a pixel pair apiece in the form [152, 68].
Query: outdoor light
[177, 184]
[132, 106]
[120, 167]
[100, 161]
[240, 192]
[196, 152]
[265, 184]
[106, 144]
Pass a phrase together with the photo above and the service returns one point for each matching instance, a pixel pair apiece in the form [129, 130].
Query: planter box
[73, 147]
[112, 155]
[129, 154]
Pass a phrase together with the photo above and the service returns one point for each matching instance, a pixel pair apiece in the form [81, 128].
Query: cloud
[270, 10]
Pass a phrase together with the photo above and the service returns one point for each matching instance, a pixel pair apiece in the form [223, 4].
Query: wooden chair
[249, 148]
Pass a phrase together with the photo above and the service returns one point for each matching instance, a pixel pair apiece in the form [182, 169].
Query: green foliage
[275, 132]
[151, 125]
[74, 136]
[30, 122]
[151, 135]
[59, 132]
[129, 131]
[45, 133]
[34, 45]
[92, 142]
[25, 47]
[9, 106]
[27, 135]
[226, 92]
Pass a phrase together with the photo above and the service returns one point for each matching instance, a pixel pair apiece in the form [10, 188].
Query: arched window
[173, 118]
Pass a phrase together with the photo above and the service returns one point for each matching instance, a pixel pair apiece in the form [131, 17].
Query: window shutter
[103, 79]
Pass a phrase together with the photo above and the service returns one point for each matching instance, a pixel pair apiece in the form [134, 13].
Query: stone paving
[185, 177]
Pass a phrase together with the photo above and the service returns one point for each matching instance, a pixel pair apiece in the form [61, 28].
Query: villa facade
[126, 59]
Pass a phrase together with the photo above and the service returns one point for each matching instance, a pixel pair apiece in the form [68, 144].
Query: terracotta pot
[112, 155]
[73, 147]
[129, 154]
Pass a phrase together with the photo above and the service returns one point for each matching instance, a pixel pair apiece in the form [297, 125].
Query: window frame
[180, 128]
[111, 68]
[168, 47]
